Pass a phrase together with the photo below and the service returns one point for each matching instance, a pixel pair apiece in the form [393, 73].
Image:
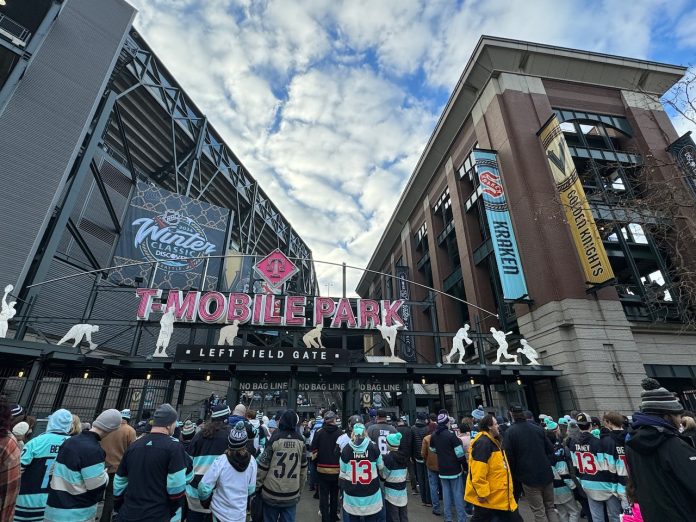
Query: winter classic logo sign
[176, 242]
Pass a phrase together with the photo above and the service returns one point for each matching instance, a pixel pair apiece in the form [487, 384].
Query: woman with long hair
[232, 477]
[208, 444]
[76, 425]
[9, 463]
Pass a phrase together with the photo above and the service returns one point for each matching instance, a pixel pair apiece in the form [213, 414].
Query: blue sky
[329, 104]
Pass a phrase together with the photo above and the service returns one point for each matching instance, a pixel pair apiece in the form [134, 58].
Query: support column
[170, 390]
[182, 394]
[488, 394]
[292, 392]
[62, 388]
[441, 392]
[102, 395]
[233, 392]
[26, 398]
[122, 393]
[409, 401]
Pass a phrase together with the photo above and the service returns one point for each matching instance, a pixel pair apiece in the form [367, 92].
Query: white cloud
[329, 104]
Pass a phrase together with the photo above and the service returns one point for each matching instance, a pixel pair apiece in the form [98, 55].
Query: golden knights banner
[588, 242]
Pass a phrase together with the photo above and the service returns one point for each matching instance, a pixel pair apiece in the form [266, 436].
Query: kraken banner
[507, 254]
[408, 343]
[684, 151]
[588, 242]
[174, 233]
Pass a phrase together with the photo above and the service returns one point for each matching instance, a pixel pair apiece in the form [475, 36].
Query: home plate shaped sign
[276, 269]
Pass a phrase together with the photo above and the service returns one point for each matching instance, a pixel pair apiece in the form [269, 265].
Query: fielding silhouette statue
[461, 337]
[78, 331]
[529, 352]
[7, 312]
[312, 339]
[500, 338]
[388, 334]
[229, 333]
[165, 333]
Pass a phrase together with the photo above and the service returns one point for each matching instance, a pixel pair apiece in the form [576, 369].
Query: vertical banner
[684, 152]
[507, 255]
[588, 242]
[238, 272]
[408, 344]
[174, 231]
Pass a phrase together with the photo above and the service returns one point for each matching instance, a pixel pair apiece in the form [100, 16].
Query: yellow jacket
[489, 475]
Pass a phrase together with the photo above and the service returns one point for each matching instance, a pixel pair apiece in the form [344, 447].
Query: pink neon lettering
[257, 314]
[184, 308]
[344, 314]
[391, 312]
[295, 306]
[204, 307]
[239, 308]
[271, 312]
[368, 313]
[323, 307]
[146, 296]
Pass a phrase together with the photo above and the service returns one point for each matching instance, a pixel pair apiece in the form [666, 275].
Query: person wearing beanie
[595, 468]
[662, 463]
[563, 485]
[206, 446]
[20, 431]
[526, 446]
[79, 473]
[418, 432]
[115, 446]
[452, 464]
[326, 459]
[20, 415]
[188, 430]
[38, 455]
[232, 477]
[360, 465]
[282, 471]
[395, 474]
[151, 478]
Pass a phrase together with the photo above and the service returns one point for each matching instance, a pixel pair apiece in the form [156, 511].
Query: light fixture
[20, 374]
[148, 376]
[519, 381]
[423, 380]
[86, 375]
[207, 377]
[472, 381]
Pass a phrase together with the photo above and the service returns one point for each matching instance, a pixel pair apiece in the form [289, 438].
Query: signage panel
[253, 354]
[505, 247]
[684, 152]
[408, 343]
[588, 242]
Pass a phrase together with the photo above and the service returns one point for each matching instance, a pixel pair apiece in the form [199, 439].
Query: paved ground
[308, 510]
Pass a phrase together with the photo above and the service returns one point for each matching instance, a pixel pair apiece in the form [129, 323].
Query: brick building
[606, 334]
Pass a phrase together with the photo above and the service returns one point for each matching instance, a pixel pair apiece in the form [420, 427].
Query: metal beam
[105, 196]
[77, 236]
[195, 164]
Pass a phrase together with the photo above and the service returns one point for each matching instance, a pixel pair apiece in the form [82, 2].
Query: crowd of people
[241, 465]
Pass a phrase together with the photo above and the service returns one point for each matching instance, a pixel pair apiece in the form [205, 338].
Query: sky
[329, 104]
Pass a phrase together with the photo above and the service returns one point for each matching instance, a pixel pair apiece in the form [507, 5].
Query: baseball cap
[583, 419]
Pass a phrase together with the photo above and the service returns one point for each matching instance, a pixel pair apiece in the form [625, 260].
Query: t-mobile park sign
[269, 309]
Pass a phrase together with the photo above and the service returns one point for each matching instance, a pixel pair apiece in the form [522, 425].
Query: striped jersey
[204, 451]
[37, 460]
[150, 482]
[78, 481]
[395, 475]
[562, 483]
[360, 466]
[595, 465]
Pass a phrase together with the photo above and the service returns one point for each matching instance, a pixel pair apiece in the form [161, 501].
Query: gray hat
[329, 416]
[108, 420]
[164, 416]
[658, 400]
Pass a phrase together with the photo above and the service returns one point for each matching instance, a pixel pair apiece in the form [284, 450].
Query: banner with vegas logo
[174, 232]
[507, 254]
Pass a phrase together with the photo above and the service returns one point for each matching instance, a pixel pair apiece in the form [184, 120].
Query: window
[422, 238]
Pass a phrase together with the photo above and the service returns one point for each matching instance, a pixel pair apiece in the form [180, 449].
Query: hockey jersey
[594, 462]
[360, 466]
[37, 460]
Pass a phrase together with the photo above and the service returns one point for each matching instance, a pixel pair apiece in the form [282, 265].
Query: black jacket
[528, 449]
[324, 450]
[451, 458]
[662, 468]
[406, 446]
[420, 430]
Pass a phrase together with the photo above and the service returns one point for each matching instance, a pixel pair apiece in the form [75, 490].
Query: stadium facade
[527, 202]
